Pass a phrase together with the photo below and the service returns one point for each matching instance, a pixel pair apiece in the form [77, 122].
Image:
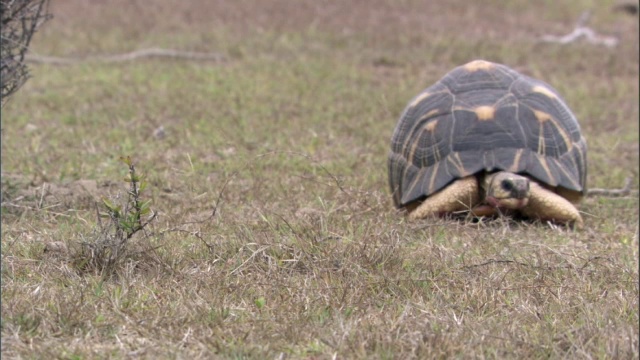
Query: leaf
[260, 302]
[127, 226]
[126, 160]
[145, 205]
[113, 209]
[107, 203]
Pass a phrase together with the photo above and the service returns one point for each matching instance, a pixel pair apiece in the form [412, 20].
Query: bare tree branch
[20, 20]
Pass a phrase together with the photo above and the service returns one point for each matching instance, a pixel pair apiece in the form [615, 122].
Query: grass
[287, 139]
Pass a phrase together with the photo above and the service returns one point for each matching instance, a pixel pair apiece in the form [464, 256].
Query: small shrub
[108, 245]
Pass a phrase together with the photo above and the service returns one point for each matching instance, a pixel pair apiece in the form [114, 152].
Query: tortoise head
[506, 190]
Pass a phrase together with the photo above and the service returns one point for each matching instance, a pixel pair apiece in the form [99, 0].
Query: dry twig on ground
[130, 56]
[581, 31]
[623, 191]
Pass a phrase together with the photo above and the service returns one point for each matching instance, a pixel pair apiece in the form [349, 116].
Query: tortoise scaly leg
[458, 196]
[547, 205]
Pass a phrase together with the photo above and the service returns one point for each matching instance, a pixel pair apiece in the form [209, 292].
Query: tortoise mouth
[507, 203]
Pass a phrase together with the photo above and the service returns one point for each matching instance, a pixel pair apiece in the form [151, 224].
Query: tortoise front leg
[547, 205]
[459, 196]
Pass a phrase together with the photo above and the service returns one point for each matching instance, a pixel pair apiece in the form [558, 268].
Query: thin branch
[249, 259]
[130, 56]
[624, 191]
[581, 31]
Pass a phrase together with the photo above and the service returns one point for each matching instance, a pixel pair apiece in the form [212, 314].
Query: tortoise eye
[506, 185]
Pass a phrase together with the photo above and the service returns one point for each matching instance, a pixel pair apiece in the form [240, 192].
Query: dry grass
[287, 141]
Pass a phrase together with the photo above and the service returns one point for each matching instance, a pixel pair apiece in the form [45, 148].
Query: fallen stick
[131, 56]
[581, 31]
[624, 191]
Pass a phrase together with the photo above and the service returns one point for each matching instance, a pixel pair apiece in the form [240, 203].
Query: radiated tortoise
[486, 139]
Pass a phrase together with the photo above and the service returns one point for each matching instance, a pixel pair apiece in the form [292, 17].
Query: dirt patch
[20, 194]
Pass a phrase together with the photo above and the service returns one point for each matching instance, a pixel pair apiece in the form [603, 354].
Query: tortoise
[486, 140]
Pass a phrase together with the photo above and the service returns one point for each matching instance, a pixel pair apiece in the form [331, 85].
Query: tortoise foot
[459, 196]
[547, 205]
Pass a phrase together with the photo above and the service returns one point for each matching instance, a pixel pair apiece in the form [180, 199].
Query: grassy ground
[286, 139]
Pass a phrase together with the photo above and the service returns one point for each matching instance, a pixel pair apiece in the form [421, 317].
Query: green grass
[287, 139]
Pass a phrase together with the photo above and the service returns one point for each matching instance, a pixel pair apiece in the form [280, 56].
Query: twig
[494, 261]
[130, 56]
[582, 31]
[195, 234]
[249, 259]
[624, 191]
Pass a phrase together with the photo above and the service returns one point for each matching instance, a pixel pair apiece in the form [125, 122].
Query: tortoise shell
[486, 117]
